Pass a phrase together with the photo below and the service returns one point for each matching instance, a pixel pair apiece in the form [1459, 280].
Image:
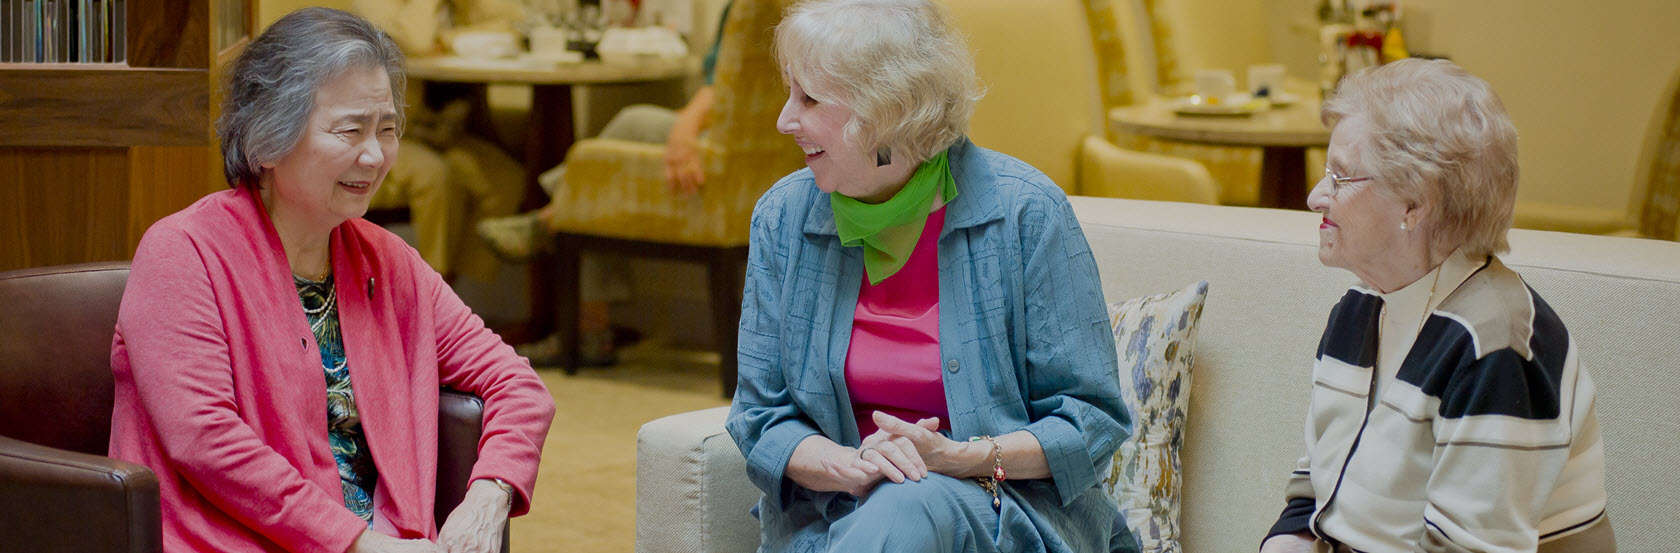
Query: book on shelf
[31, 30]
[119, 30]
[63, 31]
[8, 30]
[11, 27]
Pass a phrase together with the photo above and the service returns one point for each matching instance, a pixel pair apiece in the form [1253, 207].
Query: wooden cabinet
[93, 154]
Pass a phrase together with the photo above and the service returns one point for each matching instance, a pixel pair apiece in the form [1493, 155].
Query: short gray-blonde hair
[271, 87]
[899, 65]
[1440, 137]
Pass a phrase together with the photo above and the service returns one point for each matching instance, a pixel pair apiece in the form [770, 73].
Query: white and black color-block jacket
[1483, 439]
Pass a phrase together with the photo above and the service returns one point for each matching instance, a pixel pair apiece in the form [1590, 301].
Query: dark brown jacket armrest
[460, 423]
[57, 500]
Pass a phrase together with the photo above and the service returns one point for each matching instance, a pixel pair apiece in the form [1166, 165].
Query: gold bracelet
[992, 482]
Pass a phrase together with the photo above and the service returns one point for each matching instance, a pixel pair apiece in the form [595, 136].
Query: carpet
[585, 499]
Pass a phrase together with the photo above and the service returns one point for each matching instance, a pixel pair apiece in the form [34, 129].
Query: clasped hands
[475, 526]
[899, 451]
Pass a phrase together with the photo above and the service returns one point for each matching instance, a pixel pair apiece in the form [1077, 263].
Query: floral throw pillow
[1154, 337]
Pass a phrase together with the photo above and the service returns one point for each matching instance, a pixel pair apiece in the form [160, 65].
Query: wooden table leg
[1283, 177]
[726, 276]
[566, 267]
[547, 138]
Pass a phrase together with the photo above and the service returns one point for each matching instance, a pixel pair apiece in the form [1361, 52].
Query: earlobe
[1413, 215]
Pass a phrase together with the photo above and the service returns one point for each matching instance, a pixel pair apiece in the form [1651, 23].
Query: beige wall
[1222, 34]
[1581, 79]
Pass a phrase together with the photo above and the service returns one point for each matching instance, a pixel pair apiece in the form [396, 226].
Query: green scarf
[888, 231]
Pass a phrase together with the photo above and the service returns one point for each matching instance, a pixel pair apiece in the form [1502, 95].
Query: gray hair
[899, 65]
[271, 87]
[1439, 137]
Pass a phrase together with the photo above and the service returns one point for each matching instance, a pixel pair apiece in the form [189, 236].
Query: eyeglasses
[1337, 180]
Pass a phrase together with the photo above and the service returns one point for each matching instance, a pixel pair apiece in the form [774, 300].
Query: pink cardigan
[220, 390]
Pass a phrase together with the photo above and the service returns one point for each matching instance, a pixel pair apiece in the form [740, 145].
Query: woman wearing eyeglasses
[1448, 410]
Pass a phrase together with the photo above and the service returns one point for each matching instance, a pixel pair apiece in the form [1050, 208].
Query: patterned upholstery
[1113, 75]
[1236, 169]
[617, 189]
[1169, 74]
[1154, 337]
[1657, 206]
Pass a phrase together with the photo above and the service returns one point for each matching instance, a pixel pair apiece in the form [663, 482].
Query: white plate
[1233, 105]
[1284, 99]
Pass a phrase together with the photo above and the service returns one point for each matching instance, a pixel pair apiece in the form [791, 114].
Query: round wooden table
[1282, 133]
[547, 137]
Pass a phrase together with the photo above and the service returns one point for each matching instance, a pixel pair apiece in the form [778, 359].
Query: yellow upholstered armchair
[1047, 86]
[616, 198]
[1656, 203]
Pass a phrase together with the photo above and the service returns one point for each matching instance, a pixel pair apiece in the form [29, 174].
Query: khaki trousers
[447, 193]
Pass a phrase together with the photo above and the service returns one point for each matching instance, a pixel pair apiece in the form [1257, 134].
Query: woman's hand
[937, 452]
[1288, 543]
[682, 160]
[896, 455]
[682, 144]
[475, 526]
[375, 542]
[821, 465]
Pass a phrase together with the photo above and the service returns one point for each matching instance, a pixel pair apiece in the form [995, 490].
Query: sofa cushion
[692, 492]
[1154, 337]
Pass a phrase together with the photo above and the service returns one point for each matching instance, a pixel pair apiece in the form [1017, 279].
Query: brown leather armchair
[58, 491]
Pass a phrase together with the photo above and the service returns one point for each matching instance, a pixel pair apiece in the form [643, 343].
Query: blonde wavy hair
[1439, 137]
[899, 65]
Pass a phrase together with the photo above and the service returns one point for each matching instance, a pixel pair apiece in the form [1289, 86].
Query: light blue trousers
[937, 514]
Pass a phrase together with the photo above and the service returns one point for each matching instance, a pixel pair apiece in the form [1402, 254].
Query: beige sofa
[1267, 301]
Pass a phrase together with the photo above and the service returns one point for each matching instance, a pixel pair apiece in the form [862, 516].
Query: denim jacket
[1023, 335]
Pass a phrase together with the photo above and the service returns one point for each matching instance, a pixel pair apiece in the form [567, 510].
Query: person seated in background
[249, 314]
[448, 179]
[925, 359]
[1449, 411]
[519, 237]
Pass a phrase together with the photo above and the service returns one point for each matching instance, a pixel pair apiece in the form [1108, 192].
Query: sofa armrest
[58, 500]
[692, 492]
[460, 424]
[1110, 171]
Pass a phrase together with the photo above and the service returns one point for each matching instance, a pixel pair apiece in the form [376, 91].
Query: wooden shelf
[92, 154]
[104, 107]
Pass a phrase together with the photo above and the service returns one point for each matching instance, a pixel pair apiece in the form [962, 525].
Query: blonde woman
[925, 358]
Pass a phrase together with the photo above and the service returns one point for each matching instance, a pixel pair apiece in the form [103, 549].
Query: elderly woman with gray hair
[1448, 410]
[925, 358]
[249, 315]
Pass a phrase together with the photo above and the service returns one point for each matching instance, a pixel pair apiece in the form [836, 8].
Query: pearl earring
[1403, 225]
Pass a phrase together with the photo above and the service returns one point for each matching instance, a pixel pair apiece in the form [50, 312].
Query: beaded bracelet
[998, 475]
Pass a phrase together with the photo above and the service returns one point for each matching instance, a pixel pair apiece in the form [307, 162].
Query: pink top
[892, 363]
[219, 388]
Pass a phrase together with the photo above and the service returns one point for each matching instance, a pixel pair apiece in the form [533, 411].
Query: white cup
[1215, 83]
[547, 40]
[1268, 76]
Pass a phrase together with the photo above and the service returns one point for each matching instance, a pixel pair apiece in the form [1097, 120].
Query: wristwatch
[506, 488]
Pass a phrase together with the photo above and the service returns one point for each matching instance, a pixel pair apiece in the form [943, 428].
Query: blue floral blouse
[356, 472]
